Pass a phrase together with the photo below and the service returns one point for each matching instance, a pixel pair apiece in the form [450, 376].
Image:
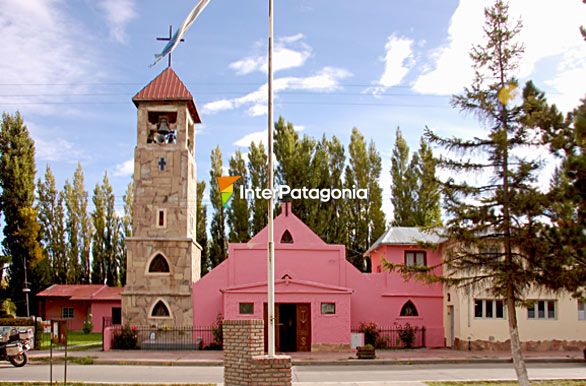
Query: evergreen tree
[78, 228]
[404, 183]
[218, 246]
[238, 213]
[201, 228]
[51, 216]
[427, 203]
[21, 228]
[500, 212]
[258, 172]
[126, 229]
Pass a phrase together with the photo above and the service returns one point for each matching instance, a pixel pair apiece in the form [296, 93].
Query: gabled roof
[405, 236]
[167, 87]
[82, 292]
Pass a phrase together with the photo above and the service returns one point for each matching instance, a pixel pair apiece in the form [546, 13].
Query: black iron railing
[171, 338]
[396, 337]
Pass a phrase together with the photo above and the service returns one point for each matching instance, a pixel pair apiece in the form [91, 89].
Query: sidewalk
[215, 358]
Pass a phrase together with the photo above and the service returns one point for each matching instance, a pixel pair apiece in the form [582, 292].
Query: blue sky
[72, 67]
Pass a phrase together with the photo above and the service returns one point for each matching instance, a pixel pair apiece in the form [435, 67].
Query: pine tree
[218, 246]
[499, 212]
[201, 228]
[427, 203]
[238, 213]
[404, 183]
[125, 230]
[21, 228]
[78, 228]
[258, 172]
[51, 216]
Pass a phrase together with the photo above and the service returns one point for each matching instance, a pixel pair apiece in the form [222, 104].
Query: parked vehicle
[14, 345]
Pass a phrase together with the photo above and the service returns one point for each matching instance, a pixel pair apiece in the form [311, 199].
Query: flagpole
[271, 246]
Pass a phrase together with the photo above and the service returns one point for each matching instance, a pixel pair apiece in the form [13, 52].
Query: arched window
[160, 310]
[159, 264]
[286, 238]
[409, 309]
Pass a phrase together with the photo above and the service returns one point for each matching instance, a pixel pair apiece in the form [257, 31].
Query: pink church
[321, 297]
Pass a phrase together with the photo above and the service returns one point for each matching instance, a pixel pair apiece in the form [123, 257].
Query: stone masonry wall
[537, 346]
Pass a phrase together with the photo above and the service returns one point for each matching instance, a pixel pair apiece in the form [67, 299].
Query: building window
[67, 313]
[160, 310]
[542, 309]
[159, 264]
[409, 309]
[246, 308]
[161, 218]
[581, 310]
[415, 258]
[489, 309]
[328, 308]
[286, 238]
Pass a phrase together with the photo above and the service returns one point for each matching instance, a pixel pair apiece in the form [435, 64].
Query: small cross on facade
[168, 39]
[162, 164]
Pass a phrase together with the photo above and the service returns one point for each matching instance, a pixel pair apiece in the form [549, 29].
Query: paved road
[303, 375]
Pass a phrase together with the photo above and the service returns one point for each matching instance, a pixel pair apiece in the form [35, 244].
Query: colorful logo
[226, 185]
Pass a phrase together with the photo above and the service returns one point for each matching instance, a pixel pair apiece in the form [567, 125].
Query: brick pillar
[271, 371]
[243, 339]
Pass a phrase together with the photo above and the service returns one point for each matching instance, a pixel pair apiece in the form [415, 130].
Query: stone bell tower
[163, 256]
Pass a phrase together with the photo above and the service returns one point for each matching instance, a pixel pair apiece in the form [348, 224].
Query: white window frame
[546, 308]
[65, 315]
[492, 303]
[413, 262]
[581, 310]
[158, 214]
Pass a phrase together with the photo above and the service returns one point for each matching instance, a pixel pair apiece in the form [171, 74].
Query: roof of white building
[405, 236]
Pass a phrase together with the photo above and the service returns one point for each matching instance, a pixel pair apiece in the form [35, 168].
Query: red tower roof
[167, 87]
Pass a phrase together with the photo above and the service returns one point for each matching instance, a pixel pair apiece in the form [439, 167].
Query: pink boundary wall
[311, 271]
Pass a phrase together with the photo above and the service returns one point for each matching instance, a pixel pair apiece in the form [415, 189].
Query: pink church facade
[320, 297]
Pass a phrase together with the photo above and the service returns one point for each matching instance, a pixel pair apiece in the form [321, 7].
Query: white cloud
[118, 13]
[43, 52]
[398, 61]
[124, 169]
[326, 80]
[52, 147]
[288, 52]
[548, 32]
[259, 137]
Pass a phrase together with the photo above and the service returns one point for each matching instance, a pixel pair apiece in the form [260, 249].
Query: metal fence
[395, 337]
[171, 338]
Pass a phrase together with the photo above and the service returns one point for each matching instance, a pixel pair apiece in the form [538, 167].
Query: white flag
[178, 35]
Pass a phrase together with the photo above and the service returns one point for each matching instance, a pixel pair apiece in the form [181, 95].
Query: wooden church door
[303, 327]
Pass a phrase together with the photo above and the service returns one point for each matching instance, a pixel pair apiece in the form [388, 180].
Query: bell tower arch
[165, 189]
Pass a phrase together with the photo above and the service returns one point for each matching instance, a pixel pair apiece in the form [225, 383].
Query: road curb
[305, 362]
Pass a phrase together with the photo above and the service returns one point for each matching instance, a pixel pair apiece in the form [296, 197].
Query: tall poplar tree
[126, 230]
[501, 211]
[219, 244]
[111, 235]
[21, 228]
[238, 213]
[98, 271]
[427, 202]
[51, 215]
[201, 228]
[78, 228]
[404, 183]
[258, 171]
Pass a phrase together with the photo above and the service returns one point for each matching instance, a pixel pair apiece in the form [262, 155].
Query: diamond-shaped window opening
[286, 238]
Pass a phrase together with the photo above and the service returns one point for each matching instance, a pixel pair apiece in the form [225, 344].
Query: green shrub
[370, 331]
[88, 326]
[126, 338]
[407, 335]
[218, 333]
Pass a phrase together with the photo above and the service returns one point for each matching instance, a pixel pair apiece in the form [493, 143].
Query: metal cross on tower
[168, 39]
